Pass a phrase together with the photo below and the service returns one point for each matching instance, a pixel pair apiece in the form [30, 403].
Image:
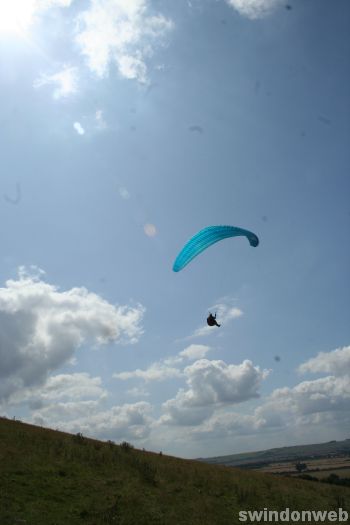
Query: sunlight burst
[16, 16]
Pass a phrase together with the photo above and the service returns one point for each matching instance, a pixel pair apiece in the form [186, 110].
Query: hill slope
[52, 478]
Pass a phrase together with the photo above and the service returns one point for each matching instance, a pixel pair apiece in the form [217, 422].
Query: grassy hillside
[52, 478]
[296, 453]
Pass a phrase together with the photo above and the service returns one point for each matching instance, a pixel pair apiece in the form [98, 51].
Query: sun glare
[16, 16]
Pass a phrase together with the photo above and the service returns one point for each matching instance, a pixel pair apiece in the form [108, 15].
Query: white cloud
[32, 272]
[165, 368]
[72, 386]
[79, 128]
[137, 392]
[223, 424]
[64, 388]
[254, 9]
[41, 327]
[60, 414]
[65, 82]
[309, 397]
[176, 412]
[76, 403]
[309, 411]
[124, 422]
[100, 121]
[212, 384]
[120, 422]
[119, 32]
[335, 362]
[133, 67]
[156, 372]
[205, 406]
[195, 352]
[308, 407]
[172, 360]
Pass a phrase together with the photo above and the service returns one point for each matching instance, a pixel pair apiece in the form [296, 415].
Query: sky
[126, 127]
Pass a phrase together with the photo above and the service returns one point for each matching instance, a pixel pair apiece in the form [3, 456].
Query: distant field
[314, 466]
[342, 473]
[331, 455]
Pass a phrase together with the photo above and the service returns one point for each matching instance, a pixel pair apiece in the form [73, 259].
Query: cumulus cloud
[77, 403]
[158, 371]
[78, 386]
[310, 405]
[336, 362]
[79, 128]
[254, 9]
[195, 352]
[165, 368]
[41, 327]
[120, 32]
[327, 395]
[212, 384]
[65, 82]
[176, 412]
[224, 424]
[309, 397]
[128, 421]
[137, 392]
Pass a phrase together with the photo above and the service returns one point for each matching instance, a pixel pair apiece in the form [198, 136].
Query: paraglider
[205, 238]
[211, 320]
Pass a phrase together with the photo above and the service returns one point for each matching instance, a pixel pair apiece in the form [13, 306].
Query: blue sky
[126, 127]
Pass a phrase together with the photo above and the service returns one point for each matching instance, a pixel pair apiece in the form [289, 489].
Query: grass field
[324, 465]
[341, 472]
[52, 478]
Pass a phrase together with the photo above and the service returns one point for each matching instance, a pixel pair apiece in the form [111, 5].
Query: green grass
[341, 472]
[52, 478]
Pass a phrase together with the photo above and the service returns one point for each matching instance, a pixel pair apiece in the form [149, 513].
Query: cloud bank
[41, 327]
[211, 384]
[335, 362]
[122, 33]
[306, 407]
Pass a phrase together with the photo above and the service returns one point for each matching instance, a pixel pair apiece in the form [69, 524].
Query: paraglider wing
[205, 238]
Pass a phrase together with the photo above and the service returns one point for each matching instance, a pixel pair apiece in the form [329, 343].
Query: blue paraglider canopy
[205, 238]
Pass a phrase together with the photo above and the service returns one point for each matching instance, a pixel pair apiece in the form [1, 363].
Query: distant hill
[284, 454]
[54, 478]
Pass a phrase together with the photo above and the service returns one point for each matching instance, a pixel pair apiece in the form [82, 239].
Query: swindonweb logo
[294, 515]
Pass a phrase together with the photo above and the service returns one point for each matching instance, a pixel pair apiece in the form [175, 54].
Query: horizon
[161, 452]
